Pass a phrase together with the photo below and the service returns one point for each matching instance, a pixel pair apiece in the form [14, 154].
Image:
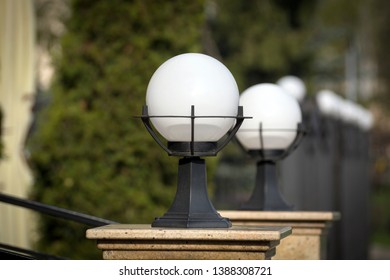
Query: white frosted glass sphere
[294, 86]
[192, 79]
[278, 112]
[329, 103]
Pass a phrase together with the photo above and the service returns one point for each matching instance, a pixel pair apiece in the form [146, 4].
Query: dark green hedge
[88, 153]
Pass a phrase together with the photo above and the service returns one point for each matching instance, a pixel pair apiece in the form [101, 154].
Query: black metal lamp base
[266, 195]
[180, 220]
[191, 207]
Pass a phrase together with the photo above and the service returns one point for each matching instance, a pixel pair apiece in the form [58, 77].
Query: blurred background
[73, 73]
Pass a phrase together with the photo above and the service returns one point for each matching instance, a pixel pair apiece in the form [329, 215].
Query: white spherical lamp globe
[278, 113]
[294, 86]
[329, 103]
[192, 79]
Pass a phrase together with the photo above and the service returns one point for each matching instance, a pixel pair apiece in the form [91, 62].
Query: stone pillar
[143, 242]
[309, 230]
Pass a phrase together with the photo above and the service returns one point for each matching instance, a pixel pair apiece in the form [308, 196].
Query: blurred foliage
[380, 28]
[263, 40]
[88, 153]
[381, 215]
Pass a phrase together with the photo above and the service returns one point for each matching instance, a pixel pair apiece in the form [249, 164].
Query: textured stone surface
[309, 230]
[123, 241]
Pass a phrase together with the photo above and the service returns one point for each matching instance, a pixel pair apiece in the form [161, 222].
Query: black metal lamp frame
[192, 207]
[266, 194]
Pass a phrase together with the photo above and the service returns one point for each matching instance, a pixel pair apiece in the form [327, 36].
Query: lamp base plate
[177, 220]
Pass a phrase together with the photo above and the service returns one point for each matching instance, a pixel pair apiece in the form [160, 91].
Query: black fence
[330, 171]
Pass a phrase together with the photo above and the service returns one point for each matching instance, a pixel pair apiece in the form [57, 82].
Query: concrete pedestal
[309, 230]
[142, 242]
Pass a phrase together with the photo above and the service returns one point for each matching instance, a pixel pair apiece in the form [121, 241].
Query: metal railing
[16, 253]
[8, 252]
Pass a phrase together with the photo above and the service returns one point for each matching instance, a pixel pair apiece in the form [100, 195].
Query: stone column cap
[307, 216]
[142, 232]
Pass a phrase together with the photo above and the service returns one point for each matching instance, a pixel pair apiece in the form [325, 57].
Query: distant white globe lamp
[293, 86]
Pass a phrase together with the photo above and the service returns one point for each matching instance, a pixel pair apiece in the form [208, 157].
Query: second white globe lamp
[275, 118]
[273, 132]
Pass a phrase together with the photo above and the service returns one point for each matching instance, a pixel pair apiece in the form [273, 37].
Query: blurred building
[17, 91]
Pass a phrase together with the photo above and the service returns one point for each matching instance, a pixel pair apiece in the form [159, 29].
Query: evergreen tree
[88, 153]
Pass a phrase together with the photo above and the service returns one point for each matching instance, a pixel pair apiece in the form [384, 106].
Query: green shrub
[88, 153]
